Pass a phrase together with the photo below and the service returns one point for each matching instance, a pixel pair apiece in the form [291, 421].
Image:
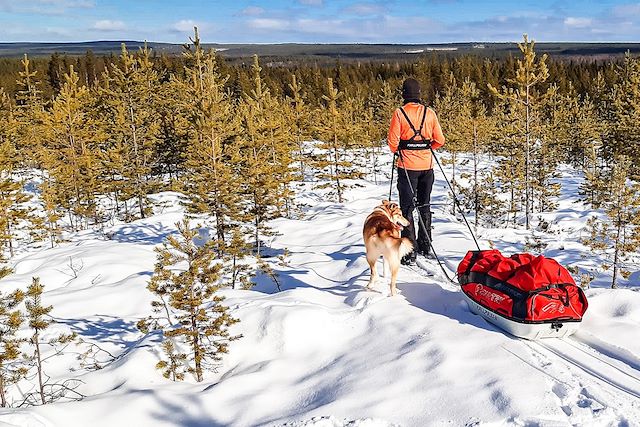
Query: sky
[319, 21]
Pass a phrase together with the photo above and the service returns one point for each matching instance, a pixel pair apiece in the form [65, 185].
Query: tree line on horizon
[99, 136]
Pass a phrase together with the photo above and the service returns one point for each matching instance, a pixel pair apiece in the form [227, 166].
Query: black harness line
[425, 144]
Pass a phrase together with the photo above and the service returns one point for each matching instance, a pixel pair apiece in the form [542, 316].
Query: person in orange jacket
[413, 131]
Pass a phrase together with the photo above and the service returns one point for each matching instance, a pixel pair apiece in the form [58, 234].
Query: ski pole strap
[413, 143]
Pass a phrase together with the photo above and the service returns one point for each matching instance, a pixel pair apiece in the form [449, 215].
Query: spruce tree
[186, 280]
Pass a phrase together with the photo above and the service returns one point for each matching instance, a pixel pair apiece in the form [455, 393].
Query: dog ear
[385, 202]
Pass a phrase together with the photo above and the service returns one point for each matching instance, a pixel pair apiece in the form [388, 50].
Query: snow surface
[325, 352]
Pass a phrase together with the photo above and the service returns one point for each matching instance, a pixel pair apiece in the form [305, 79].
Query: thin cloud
[109, 25]
[44, 7]
[626, 10]
[270, 24]
[364, 9]
[343, 30]
[185, 26]
[311, 2]
[252, 11]
[578, 22]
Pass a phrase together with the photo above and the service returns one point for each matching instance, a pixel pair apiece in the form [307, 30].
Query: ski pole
[455, 198]
[393, 166]
[421, 220]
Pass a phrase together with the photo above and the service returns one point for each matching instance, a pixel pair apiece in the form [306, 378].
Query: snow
[325, 352]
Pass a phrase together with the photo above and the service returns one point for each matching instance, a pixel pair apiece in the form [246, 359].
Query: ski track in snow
[325, 352]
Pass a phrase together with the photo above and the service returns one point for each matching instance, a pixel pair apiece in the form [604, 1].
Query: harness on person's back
[412, 143]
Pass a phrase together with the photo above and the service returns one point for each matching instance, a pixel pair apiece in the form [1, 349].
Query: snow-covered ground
[324, 351]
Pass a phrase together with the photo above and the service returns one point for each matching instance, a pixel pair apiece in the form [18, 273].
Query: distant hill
[330, 51]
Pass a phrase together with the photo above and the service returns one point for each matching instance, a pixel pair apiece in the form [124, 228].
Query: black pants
[422, 183]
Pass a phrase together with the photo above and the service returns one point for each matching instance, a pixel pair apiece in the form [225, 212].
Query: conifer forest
[96, 136]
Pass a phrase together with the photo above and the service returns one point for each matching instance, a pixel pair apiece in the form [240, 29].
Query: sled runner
[529, 297]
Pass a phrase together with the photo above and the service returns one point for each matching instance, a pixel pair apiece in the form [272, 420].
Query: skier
[413, 131]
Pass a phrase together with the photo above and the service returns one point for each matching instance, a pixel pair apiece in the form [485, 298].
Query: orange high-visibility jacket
[400, 129]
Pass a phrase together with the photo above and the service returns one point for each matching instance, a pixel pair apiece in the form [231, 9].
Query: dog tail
[405, 246]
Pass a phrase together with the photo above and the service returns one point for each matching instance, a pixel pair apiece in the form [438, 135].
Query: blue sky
[319, 21]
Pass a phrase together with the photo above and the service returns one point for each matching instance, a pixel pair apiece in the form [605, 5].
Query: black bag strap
[418, 131]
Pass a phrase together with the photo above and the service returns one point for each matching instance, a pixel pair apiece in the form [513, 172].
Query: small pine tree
[546, 153]
[469, 128]
[13, 212]
[530, 72]
[5, 271]
[339, 130]
[266, 156]
[585, 145]
[37, 317]
[74, 137]
[455, 115]
[211, 183]
[622, 136]
[239, 274]
[509, 172]
[622, 233]
[129, 98]
[174, 367]
[483, 199]
[186, 280]
[10, 321]
[300, 121]
[30, 113]
[381, 106]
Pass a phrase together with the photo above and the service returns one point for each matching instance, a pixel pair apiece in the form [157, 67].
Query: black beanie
[411, 90]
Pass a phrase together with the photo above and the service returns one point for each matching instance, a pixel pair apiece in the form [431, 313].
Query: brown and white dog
[382, 237]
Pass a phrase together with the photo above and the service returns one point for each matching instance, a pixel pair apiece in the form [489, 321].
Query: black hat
[411, 90]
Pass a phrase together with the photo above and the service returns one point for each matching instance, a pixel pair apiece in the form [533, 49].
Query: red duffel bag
[523, 288]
